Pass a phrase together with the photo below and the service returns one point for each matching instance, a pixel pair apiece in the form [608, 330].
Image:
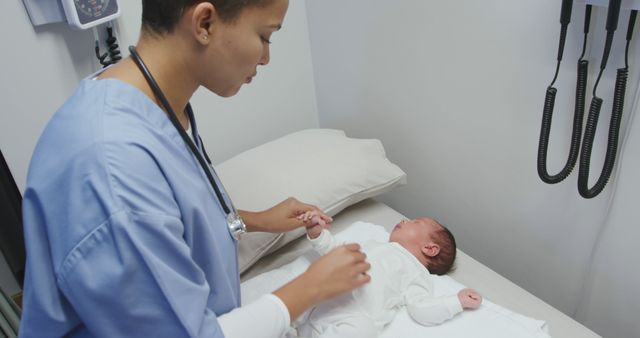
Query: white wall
[610, 302]
[42, 66]
[454, 89]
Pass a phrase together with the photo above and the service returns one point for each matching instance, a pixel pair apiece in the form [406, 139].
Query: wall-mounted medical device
[625, 4]
[614, 8]
[80, 14]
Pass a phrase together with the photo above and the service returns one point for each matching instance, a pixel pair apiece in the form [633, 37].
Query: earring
[205, 37]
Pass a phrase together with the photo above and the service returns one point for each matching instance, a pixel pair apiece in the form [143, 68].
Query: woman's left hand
[282, 217]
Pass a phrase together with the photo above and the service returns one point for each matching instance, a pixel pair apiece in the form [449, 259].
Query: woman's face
[238, 47]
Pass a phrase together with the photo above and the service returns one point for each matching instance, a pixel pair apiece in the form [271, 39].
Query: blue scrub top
[124, 234]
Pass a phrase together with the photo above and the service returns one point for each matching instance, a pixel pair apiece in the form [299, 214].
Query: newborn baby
[400, 276]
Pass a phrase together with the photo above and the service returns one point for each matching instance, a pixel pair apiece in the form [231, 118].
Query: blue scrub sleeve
[134, 276]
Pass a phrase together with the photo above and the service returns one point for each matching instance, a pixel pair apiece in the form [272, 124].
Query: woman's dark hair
[162, 16]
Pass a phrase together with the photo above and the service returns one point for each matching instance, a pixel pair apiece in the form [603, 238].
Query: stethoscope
[234, 222]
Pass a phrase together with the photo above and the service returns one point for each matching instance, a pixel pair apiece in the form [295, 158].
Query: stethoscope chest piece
[236, 225]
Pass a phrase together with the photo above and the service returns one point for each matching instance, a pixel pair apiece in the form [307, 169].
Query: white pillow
[322, 167]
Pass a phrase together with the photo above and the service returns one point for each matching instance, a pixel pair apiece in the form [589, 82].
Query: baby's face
[414, 233]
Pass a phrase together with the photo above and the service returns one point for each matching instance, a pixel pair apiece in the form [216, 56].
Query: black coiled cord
[113, 54]
[102, 58]
[547, 112]
[614, 124]
[112, 46]
[612, 144]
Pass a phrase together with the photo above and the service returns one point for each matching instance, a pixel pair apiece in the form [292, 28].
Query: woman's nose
[265, 56]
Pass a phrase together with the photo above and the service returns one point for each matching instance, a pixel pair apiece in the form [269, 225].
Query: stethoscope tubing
[174, 120]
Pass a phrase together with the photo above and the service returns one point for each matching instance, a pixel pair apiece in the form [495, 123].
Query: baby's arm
[321, 239]
[324, 242]
[428, 310]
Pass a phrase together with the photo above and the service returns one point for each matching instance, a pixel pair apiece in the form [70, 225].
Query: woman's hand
[341, 270]
[282, 217]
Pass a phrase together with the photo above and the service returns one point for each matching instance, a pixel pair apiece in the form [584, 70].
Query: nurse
[127, 229]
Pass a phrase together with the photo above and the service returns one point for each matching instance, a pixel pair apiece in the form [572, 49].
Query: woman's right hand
[341, 270]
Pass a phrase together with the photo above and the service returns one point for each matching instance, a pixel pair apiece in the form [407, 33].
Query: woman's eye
[265, 40]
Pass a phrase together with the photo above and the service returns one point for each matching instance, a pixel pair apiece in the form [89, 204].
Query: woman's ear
[202, 19]
[431, 249]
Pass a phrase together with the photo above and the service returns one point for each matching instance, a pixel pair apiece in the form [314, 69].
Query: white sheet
[490, 320]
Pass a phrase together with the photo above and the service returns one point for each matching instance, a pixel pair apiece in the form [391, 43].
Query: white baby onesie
[397, 279]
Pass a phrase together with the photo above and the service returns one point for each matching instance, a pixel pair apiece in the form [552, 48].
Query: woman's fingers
[362, 267]
[352, 247]
[341, 270]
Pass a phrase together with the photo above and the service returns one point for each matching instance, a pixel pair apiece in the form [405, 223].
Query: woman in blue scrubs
[126, 235]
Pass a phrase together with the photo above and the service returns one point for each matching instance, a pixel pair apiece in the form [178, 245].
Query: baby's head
[429, 241]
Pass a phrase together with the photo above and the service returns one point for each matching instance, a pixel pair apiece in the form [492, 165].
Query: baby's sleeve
[324, 243]
[428, 310]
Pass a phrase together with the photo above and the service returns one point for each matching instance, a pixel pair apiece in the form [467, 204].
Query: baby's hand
[313, 223]
[469, 299]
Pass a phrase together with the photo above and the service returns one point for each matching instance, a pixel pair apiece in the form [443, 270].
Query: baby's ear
[431, 249]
